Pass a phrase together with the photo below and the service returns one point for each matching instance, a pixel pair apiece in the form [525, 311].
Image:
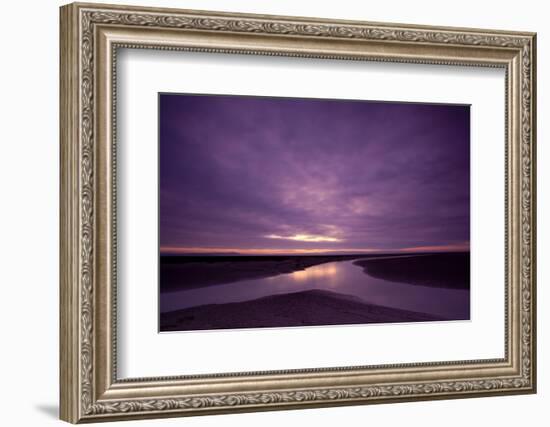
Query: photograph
[291, 212]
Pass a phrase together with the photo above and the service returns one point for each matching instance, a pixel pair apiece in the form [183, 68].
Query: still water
[342, 277]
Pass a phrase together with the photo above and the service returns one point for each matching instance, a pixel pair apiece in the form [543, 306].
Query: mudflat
[305, 308]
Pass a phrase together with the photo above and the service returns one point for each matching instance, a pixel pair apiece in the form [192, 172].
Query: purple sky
[269, 175]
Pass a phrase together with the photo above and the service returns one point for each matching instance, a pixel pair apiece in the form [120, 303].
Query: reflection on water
[326, 271]
[343, 277]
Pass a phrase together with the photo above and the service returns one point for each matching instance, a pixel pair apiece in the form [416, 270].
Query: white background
[29, 170]
[142, 352]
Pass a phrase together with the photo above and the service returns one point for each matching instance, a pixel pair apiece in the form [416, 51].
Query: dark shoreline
[195, 271]
[305, 308]
[442, 270]
[447, 270]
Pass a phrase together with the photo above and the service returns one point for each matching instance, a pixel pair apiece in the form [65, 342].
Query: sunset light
[304, 238]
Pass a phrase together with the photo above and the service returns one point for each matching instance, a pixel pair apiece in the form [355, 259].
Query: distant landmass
[443, 270]
[196, 271]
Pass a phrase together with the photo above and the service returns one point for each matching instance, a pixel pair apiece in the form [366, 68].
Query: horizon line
[465, 246]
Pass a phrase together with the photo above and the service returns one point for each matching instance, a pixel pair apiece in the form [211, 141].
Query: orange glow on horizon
[465, 246]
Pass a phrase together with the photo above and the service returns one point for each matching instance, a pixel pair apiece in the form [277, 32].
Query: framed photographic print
[280, 212]
[264, 212]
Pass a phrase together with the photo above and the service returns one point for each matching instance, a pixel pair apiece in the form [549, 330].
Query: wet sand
[305, 308]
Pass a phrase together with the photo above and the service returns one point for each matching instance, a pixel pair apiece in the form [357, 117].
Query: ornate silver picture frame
[91, 36]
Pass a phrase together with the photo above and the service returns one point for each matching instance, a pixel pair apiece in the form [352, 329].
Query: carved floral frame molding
[90, 37]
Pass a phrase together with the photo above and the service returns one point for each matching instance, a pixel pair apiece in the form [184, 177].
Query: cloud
[234, 170]
[305, 238]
